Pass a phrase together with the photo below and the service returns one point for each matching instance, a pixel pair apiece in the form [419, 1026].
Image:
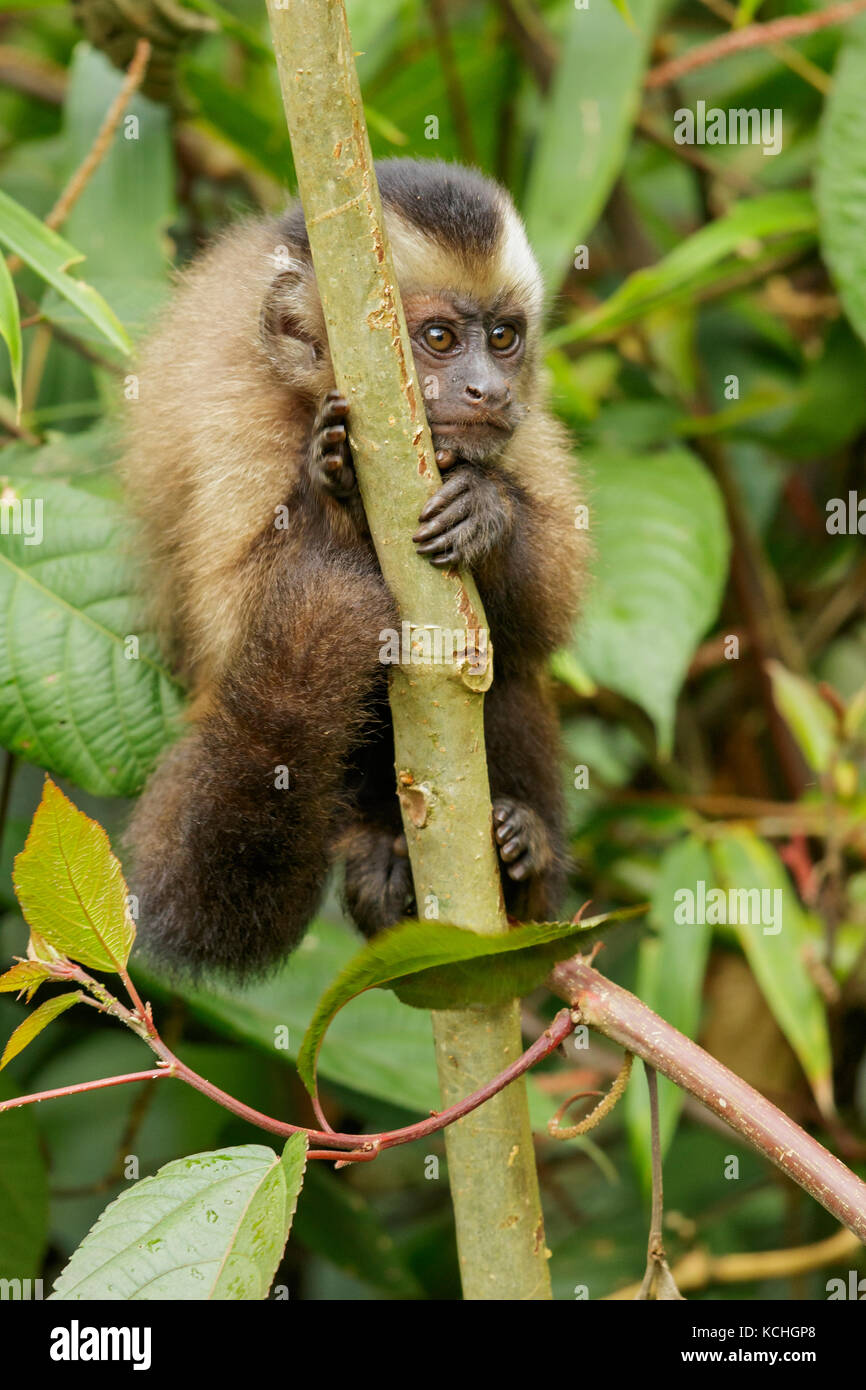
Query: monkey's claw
[521, 838]
[331, 459]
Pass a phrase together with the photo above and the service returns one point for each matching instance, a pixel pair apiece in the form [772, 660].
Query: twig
[78, 1087]
[754, 36]
[623, 1018]
[785, 52]
[658, 1282]
[360, 1146]
[99, 149]
[699, 1269]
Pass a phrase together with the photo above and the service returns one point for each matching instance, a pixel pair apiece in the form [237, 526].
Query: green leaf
[71, 887]
[671, 968]
[784, 220]
[436, 965]
[10, 328]
[23, 1192]
[584, 136]
[809, 718]
[211, 1226]
[777, 956]
[50, 256]
[841, 176]
[25, 976]
[35, 1022]
[72, 697]
[659, 527]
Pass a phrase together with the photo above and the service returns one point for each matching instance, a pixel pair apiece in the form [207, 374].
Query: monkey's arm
[524, 762]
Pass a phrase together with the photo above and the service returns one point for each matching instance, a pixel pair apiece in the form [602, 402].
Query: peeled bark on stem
[437, 709]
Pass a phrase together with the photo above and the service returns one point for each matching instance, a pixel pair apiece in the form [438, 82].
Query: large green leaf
[659, 527]
[436, 965]
[841, 178]
[71, 887]
[671, 968]
[378, 1048]
[50, 256]
[784, 221]
[211, 1226]
[23, 1192]
[775, 948]
[587, 123]
[72, 697]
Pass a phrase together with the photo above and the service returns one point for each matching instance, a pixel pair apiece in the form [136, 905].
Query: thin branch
[620, 1016]
[16, 1102]
[754, 36]
[361, 1146]
[100, 147]
[699, 1269]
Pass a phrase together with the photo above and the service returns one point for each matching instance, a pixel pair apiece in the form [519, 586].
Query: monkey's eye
[439, 338]
[503, 337]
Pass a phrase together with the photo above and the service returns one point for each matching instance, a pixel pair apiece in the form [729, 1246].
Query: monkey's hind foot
[521, 839]
[378, 886]
[330, 458]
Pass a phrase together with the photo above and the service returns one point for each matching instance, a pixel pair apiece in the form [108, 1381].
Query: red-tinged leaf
[24, 976]
[35, 1022]
[71, 887]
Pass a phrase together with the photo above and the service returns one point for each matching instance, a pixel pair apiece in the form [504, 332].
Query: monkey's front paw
[463, 521]
[330, 457]
[521, 838]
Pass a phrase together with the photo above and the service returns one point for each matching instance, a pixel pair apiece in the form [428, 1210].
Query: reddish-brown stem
[362, 1147]
[753, 36]
[16, 1101]
[623, 1018]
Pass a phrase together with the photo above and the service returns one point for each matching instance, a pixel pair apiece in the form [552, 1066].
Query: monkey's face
[470, 358]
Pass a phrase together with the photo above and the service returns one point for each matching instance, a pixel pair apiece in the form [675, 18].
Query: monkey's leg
[230, 842]
[523, 758]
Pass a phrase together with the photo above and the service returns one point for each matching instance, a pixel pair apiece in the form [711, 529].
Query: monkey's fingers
[444, 520]
[334, 407]
[453, 486]
[338, 476]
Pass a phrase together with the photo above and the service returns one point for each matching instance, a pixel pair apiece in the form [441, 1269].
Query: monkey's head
[471, 291]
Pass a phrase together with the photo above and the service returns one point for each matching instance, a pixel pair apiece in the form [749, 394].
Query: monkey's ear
[292, 329]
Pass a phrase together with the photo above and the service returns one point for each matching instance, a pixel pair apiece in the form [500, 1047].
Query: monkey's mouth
[494, 424]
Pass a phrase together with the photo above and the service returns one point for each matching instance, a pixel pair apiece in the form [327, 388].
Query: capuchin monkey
[269, 599]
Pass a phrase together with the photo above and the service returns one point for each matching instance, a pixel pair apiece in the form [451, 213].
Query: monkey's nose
[493, 395]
